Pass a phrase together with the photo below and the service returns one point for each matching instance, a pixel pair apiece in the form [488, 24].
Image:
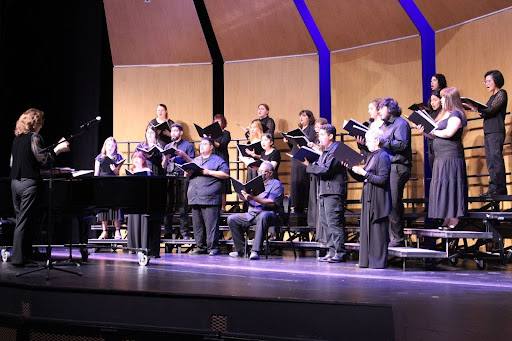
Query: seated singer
[205, 197]
[27, 157]
[262, 213]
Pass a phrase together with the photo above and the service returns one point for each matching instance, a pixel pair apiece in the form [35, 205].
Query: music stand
[49, 265]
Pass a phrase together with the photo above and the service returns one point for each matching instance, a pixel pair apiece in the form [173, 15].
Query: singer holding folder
[376, 202]
[494, 132]
[449, 185]
[27, 158]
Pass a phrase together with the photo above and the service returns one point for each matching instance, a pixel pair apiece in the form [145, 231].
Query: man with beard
[178, 188]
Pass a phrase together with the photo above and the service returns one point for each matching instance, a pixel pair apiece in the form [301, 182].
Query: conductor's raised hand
[62, 147]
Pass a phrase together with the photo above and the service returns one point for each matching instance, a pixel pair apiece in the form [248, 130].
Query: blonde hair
[104, 148]
[452, 102]
[259, 132]
[29, 121]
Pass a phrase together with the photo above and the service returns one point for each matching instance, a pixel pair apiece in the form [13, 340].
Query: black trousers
[398, 177]
[493, 143]
[205, 221]
[24, 196]
[178, 202]
[331, 212]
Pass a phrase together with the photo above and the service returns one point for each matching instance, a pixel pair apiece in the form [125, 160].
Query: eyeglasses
[487, 81]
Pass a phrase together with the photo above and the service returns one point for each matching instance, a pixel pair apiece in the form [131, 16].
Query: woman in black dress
[108, 162]
[449, 185]
[27, 158]
[299, 183]
[494, 132]
[221, 149]
[269, 153]
[376, 202]
[164, 135]
[154, 158]
[435, 109]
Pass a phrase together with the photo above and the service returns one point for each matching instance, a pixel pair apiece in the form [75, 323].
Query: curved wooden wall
[287, 85]
[158, 32]
[441, 13]
[351, 23]
[258, 29]
[186, 90]
[386, 70]
[464, 65]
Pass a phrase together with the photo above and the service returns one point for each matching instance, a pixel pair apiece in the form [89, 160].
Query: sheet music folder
[423, 118]
[253, 187]
[213, 130]
[477, 104]
[355, 128]
[306, 153]
[346, 154]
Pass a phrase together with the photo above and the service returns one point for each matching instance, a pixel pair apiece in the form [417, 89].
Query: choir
[320, 186]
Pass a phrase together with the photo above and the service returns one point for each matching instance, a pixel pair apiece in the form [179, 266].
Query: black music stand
[49, 265]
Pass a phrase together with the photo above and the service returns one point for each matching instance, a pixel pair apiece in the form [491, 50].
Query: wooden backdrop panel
[158, 32]
[464, 67]
[248, 29]
[287, 85]
[186, 90]
[351, 23]
[441, 13]
[386, 70]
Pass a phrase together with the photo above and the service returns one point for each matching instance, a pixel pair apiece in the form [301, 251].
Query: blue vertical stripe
[428, 64]
[324, 59]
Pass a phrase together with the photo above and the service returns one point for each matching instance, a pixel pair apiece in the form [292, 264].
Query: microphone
[90, 123]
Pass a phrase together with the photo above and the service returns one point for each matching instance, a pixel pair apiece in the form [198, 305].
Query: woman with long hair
[449, 185]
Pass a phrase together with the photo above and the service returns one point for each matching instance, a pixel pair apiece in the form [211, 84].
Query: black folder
[306, 153]
[213, 130]
[190, 166]
[355, 128]
[253, 187]
[256, 146]
[477, 104]
[422, 117]
[346, 154]
[418, 106]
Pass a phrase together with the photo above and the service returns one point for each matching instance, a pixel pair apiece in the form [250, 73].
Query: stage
[204, 297]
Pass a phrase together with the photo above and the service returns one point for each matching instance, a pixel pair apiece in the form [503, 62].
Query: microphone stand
[49, 265]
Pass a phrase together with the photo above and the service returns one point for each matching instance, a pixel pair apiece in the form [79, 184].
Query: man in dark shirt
[397, 139]
[179, 186]
[262, 213]
[205, 197]
[332, 192]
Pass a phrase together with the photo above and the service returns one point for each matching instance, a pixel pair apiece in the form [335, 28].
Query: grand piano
[80, 197]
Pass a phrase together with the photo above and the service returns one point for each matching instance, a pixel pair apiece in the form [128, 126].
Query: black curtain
[55, 56]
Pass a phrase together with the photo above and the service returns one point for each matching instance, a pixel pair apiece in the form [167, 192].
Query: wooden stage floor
[446, 303]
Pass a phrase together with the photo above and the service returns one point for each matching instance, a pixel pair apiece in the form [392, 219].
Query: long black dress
[110, 214]
[222, 151]
[449, 185]
[299, 183]
[376, 206]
